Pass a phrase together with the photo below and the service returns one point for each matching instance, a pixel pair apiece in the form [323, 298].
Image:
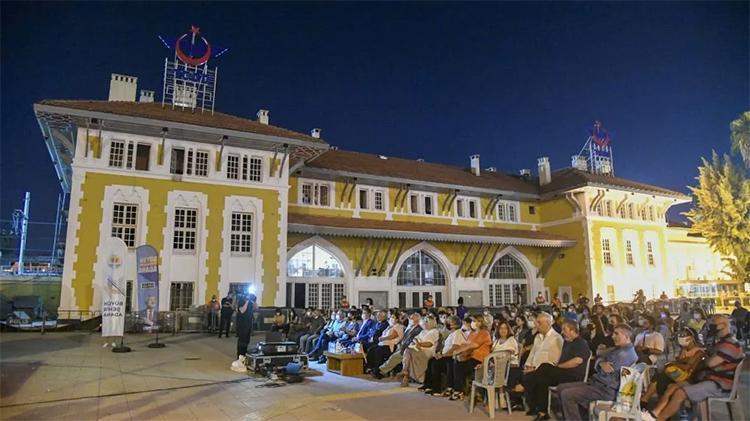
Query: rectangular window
[600, 209]
[244, 167]
[116, 153]
[177, 161]
[428, 205]
[233, 167]
[629, 253]
[414, 203]
[185, 228]
[363, 199]
[241, 237]
[379, 200]
[307, 194]
[650, 253]
[325, 295]
[512, 217]
[201, 163]
[323, 196]
[651, 213]
[142, 157]
[623, 212]
[501, 213]
[255, 172]
[631, 211]
[129, 162]
[532, 210]
[124, 222]
[189, 166]
[606, 251]
[180, 296]
[472, 209]
[460, 208]
[609, 208]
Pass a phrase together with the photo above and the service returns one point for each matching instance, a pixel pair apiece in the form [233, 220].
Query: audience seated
[547, 344]
[317, 325]
[331, 333]
[679, 371]
[571, 368]
[468, 356]
[649, 344]
[603, 385]
[411, 332]
[438, 364]
[715, 381]
[420, 351]
[387, 343]
[279, 322]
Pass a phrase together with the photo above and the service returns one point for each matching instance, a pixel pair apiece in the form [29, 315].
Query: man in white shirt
[547, 344]
[649, 344]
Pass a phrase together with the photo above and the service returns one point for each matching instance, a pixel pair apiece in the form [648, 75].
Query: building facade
[232, 203]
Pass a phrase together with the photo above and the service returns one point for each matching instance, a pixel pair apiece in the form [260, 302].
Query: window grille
[116, 153]
[201, 163]
[180, 296]
[124, 222]
[420, 269]
[379, 200]
[507, 267]
[233, 167]
[185, 228]
[241, 237]
[629, 253]
[255, 172]
[650, 253]
[606, 251]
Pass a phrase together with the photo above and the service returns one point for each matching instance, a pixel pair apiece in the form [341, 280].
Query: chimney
[475, 168]
[146, 96]
[122, 87]
[315, 133]
[420, 159]
[491, 169]
[263, 116]
[579, 162]
[545, 175]
[525, 172]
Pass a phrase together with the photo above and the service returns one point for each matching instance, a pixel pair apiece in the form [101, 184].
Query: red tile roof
[363, 163]
[570, 178]
[156, 111]
[437, 230]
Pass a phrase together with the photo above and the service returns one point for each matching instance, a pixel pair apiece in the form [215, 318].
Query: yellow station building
[231, 202]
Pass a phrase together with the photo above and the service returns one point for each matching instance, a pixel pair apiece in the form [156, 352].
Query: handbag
[676, 373]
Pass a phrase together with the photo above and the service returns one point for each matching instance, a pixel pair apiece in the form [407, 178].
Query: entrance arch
[421, 272]
[318, 274]
[510, 279]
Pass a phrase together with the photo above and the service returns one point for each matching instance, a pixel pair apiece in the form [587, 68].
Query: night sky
[510, 81]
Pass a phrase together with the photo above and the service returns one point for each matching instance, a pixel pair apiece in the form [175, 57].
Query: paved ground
[70, 376]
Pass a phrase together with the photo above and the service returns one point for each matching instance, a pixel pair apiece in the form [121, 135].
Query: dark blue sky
[510, 81]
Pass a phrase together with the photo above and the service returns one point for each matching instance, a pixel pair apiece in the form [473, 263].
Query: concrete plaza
[70, 376]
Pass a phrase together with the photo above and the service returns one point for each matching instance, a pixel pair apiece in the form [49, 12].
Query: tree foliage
[740, 135]
[722, 212]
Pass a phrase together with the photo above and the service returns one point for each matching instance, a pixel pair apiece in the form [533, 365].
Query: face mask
[555, 313]
[443, 319]
[391, 322]
[486, 313]
[512, 314]
[697, 316]
[585, 323]
[663, 316]
[683, 341]
[308, 314]
[530, 324]
[423, 325]
[473, 325]
[641, 323]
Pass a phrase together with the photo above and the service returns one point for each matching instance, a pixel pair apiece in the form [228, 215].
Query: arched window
[508, 282]
[507, 267]
[420, 269]
[314, 262]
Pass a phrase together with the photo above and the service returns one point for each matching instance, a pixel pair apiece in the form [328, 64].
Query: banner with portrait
[148, 286]
[114, 287]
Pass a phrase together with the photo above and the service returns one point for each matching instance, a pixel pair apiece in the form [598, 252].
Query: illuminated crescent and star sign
[191, 48]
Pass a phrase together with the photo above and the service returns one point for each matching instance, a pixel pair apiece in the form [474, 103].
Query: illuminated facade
[231, 202]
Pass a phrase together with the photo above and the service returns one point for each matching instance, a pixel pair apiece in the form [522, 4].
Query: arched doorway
[315, 278]
[420, 275]
[508, 282]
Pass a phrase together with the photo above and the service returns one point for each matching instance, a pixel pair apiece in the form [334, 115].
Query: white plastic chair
[493, 382]
[604, 410]
[734, 397]
[553, 389]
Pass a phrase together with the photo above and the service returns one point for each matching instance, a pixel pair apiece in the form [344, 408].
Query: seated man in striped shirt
[716, 381]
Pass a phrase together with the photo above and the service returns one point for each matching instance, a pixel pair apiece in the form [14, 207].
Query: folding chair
[734, 397]
[621, 409]
[553, 389]
[494, 381]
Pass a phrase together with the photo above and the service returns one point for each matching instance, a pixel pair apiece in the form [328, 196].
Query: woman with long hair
[468, 356]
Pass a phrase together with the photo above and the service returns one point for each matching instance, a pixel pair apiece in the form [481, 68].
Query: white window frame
[185, 230]
[371, 198]
[382, 206]
[650, 257]
[123, 225]
[607, 251]
[233, 169]
[463, 208]
[315, 193]
[203, 165]
[120, 163]
[508, 211]
[629, 258]
[420, 195]
[241, 240]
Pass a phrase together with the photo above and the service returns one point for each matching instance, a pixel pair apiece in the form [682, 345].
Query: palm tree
[740, 135]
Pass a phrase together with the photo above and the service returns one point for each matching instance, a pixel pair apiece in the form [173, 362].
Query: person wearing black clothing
[226, 315]
[572, 368]
[245, 307]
